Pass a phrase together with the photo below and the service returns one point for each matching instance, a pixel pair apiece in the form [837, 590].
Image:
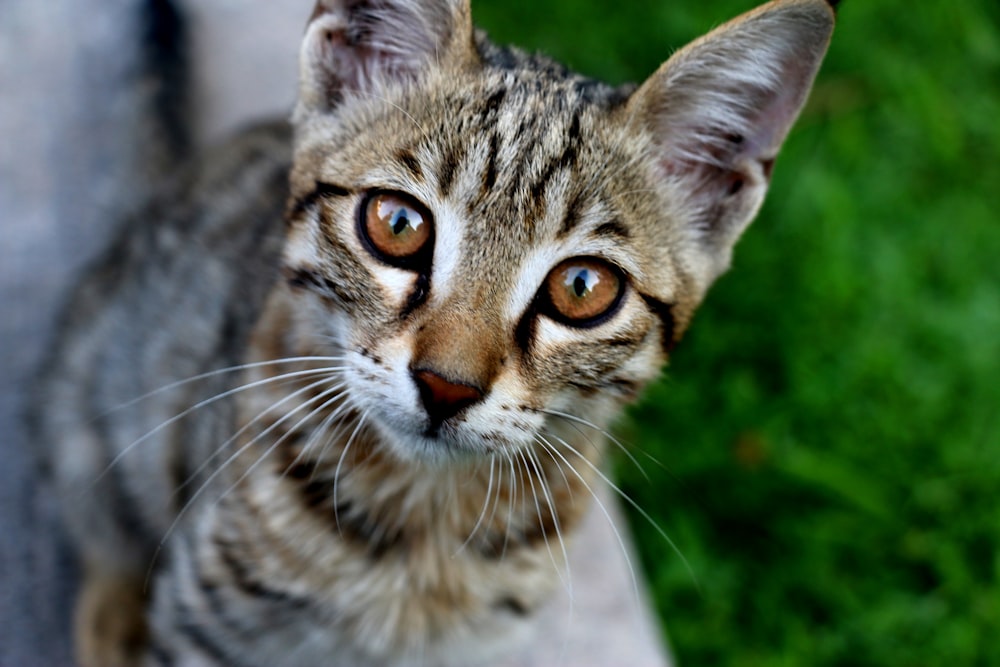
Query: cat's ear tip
[318, 10]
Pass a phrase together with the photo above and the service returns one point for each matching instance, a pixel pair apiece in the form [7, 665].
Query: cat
[339, 393]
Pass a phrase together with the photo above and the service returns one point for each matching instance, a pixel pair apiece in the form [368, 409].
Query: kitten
[366, 428]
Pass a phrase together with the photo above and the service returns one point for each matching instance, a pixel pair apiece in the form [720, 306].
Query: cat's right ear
[360, 45]
[720, 108]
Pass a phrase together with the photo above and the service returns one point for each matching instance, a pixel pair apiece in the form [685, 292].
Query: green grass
[829, 431]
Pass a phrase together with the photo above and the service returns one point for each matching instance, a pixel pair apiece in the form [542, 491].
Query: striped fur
[334, 503]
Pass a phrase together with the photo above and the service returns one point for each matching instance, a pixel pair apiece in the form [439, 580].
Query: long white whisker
[573, 419]
[482, 513]
[221, 448]
[201, 404]
[562, 544]
[215, 473]
[547, 495]
[510, 504]
[211, 374]
[207, 483]
[627, 498]
[340, 463]
[499, 490]
[321, 431]
[604, 511]
[541, 522]
[267, 452]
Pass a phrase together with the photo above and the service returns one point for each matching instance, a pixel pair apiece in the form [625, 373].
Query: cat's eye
[396, 228]
[583, 291]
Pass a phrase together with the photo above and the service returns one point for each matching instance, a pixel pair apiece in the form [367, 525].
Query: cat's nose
[443, 398]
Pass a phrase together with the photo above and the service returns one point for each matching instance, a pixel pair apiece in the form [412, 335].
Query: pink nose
[442, 398]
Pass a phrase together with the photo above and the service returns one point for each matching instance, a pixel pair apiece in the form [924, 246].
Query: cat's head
[489, 239]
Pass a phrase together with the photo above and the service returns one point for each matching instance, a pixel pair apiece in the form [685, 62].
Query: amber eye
[396, 228]
[583, 290]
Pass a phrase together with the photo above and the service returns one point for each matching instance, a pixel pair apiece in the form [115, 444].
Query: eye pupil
[401, 222]
[580, 284]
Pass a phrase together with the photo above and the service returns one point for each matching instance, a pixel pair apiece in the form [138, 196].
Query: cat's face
[492, 234]
[489, 240]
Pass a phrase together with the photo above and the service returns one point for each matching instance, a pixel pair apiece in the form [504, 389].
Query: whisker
[510, 504]
[482, 513]
[321, 431]
[202, 404]
[499, 489]
[235, 455]
[340, 462]
[604, 510]
[573, 419]
[571, 612]
[547, 494]
[211, 374]
[279, 441]
[221, 448]
[628, 499]
[541, 521]
[207, 483]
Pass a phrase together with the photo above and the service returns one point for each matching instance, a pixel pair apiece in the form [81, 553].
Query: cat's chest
[391, 590]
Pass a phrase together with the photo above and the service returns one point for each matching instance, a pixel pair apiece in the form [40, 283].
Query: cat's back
[173, 296]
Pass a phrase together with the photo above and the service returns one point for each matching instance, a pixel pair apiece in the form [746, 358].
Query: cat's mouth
[421, 413]
[413, 435]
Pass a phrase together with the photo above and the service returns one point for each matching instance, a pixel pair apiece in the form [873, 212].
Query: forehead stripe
[320, 191]
[410, 162]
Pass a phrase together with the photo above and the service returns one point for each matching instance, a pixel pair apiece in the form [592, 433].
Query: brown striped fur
[416, 440]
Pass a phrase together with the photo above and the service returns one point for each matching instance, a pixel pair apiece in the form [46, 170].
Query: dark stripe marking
[573, 214]
[159, 654]
[524, 333]
[446, 173]
[409, 160]
[514, 606]
[187, 625]
[490, 178]
[665, 312]
[613, 228]
[347, 519]
[493, 102]
[204, 641]
[310, 279]
[165, 61]
[421, 290]
[249, 584]
[321, 191]
[564, 161]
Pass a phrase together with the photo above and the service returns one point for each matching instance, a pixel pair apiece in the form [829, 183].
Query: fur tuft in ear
[720, 108]
[357, 45]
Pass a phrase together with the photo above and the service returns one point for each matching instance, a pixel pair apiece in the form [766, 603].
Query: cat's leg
[110, 618]
[112, 538]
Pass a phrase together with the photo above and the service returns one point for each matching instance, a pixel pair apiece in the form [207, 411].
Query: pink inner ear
[768, 130]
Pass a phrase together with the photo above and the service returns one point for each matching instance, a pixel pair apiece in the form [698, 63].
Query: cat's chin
[442, 446]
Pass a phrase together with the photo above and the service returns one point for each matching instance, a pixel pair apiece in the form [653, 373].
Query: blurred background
[827, 437]
[824, 450]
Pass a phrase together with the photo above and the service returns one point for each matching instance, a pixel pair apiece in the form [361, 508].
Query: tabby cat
[353, 416]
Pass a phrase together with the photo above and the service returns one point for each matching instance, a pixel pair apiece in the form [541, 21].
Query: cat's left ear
[718, 111]
[358, 45]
